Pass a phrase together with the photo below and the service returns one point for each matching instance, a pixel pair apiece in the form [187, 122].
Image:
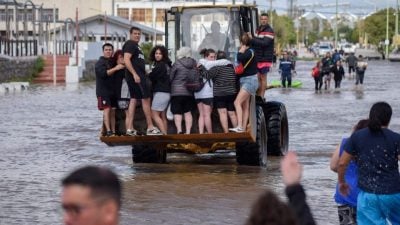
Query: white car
[323, 49]
[349, 48]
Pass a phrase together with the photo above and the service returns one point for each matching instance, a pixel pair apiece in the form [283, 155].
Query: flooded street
[47, 131]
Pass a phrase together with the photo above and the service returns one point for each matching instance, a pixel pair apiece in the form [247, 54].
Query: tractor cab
[218, 27]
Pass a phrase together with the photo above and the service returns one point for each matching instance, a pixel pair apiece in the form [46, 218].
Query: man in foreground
[91, 196]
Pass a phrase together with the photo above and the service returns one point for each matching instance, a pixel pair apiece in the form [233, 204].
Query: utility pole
[54, 47]
[76, 37]
[387, 30]
[397, 18]
[336, 26]
[105, 26]
[270, 13]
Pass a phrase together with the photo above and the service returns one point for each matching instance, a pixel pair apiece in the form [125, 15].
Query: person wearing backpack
[204, 98]
[248, 84]
[182, 100]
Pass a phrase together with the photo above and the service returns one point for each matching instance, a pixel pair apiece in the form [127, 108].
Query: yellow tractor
[218, 27]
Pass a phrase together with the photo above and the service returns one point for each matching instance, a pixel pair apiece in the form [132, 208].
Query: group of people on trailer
[166, 84]
[333, 65]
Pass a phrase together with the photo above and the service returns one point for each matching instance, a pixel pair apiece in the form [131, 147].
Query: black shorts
[106, 102]
[225, 102]
[352, 68]
[140, 90]
[182, 104]
[206, 101]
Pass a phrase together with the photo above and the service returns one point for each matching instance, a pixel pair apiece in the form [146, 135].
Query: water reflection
[48, 131]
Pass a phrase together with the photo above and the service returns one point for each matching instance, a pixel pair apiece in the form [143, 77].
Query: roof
[121, 22]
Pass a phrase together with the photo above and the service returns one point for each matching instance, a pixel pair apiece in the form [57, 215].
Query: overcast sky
[358, 7]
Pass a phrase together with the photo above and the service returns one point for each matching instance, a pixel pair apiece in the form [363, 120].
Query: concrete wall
[16, 68]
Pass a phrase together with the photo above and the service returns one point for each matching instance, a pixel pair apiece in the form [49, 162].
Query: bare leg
[188, 122]
[156, 115]
[241, 97]
[246, 112]
[147, 112]
[112, 120]
[106, 118]
[165, 121]
[223, 118]
[262, 84]
[233, 118]
[200, 107]
[178, 122]
[207, 118]
[130, 114]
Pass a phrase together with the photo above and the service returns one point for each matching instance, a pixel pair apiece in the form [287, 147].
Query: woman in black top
[161, 86]
[248, 84]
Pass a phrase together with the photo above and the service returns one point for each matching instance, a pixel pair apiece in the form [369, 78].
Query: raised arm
[343, 163]
[335, 159]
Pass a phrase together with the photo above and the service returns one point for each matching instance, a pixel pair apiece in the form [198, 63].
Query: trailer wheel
[277, 128]
[148, 154]
[254, 153]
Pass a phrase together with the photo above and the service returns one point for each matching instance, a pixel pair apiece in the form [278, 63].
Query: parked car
[349, 48]
[323, 49]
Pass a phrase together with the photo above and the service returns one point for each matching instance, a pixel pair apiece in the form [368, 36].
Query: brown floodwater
[47, 131]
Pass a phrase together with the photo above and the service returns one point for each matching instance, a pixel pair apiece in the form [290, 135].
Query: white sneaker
[154, 131]
[237, 130]
[131, 132]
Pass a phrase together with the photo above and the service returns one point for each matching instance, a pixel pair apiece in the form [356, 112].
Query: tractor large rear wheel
[148, 154]
[277, 128]
[254, 153]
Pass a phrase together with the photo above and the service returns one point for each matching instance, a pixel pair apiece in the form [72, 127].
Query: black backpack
[194, 79]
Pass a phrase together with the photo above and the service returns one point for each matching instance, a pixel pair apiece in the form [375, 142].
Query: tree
[375, 26]
[285, 34]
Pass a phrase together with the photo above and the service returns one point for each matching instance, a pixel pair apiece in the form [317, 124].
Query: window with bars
[138, 15]
[123, 12]
[47, 15]
[3, 15]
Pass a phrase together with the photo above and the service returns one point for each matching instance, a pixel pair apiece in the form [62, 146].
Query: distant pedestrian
[91, 196]
[286, 67]
[338, 74]
[347, 205]
[376, 151]
[351, 61]
[360, 71]
[316, 73]
[327, 64]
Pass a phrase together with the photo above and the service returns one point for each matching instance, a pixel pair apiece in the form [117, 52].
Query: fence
[31, 48]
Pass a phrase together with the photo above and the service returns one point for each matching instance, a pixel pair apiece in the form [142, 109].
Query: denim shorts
[249, 84]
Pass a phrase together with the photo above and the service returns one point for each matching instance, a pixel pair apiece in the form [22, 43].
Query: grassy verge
[33, 72]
